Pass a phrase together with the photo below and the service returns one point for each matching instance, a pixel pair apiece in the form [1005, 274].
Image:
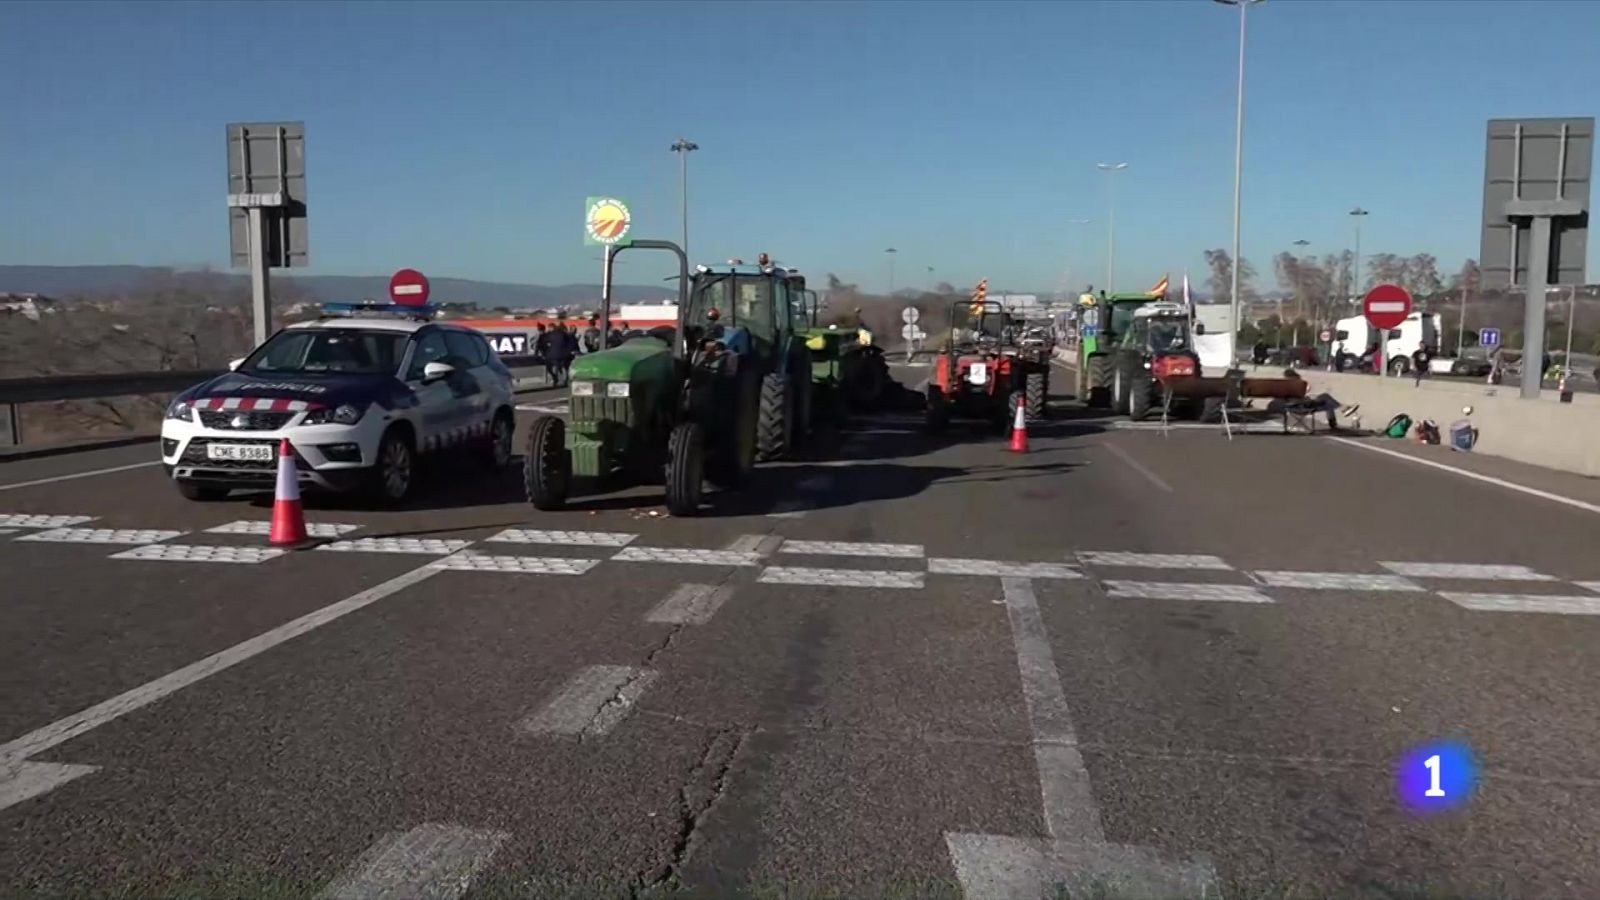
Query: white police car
[359, 396]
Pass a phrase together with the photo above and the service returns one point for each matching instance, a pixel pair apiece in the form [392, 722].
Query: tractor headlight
[343, 414]
[583, 389]
[617, 389]
[182, 410]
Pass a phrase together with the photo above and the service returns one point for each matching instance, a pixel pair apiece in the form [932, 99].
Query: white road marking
[688, 555]
[1001, 568]
[1139, 467]
[1152, 560]
[1466, 570]
[1238, 427]
[1488, 479]
[1173, 590]
[6, 531]
[564, 538]
[759, 544]
[24, 780]
[556, 409]
[430, 546]
[690, 604]
[101, 536]
[66, 729]
[1075, 857]
[789, 509]
[24, 520]
[861, 578]
[429, 862]
[853, 548]
[200, 553]
[592, 701]
[1589, 585]
[313, 529]
[996, 867]
[1533, 603]
[1338, 581]
[1069, 808]
[55, 478]
[467, 561]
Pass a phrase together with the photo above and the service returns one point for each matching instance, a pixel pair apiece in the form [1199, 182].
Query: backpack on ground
[1398, 426]
[1428, 432]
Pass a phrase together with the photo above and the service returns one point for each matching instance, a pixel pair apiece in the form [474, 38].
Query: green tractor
[1104, 322]
[680, 405]
[848, 370]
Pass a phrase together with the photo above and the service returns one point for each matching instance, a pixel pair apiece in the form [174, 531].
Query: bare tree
[1386, 268]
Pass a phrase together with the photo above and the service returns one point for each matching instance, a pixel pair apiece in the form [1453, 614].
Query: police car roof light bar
[369, 308]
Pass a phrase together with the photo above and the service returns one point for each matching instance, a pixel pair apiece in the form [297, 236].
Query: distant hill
[66, 282]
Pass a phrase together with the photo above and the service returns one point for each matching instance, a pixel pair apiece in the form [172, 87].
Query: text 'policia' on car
[360, 394]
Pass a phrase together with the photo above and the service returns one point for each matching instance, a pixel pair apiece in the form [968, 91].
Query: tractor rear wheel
[936, 415]
[1121, 390]
[547, 464]
[1038, 387]
[685, 469]
[1102, 371]
[773, 432]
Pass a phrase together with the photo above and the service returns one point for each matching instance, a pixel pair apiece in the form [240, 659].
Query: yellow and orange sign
[606, 221]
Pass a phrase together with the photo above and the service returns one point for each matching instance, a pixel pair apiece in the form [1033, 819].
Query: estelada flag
[1160, 290]
[979, 295]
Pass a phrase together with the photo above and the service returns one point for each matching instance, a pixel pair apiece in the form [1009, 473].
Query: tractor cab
[1159, 328]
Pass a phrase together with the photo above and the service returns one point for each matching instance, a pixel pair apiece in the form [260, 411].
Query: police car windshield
[333, 351]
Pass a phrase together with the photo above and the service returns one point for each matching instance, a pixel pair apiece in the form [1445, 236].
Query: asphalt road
[1125, 664]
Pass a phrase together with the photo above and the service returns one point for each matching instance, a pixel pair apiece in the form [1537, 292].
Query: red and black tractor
[979, 375]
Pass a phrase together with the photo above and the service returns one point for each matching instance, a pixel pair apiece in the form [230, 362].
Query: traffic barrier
[1019, 432]
[288, 518]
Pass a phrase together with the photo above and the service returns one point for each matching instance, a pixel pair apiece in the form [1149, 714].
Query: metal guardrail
[49, 388]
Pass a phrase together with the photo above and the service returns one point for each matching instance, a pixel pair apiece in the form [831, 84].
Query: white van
[1353, 336]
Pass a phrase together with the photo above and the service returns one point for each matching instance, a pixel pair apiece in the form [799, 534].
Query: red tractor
[979, 375]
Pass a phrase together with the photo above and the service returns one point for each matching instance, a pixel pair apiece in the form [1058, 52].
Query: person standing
[562, 345]
[541, 349]
[1419, 365]
[591, 336]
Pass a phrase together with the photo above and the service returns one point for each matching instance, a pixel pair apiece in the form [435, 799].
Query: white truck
[1352, 338]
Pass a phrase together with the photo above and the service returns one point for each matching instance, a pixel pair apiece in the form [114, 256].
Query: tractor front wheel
[1140, 401]
[685, 468]
[547, 464]
[1101, 371]
[1038, 387]
[773, 433]
[736, 456]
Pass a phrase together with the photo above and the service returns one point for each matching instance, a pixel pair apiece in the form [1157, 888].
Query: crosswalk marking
[26, 780]
[690, 604]
[26, 520]
[1533, 603]
[212, 553]
[432, 546]
[467, 561]
[592, 702]
[101, 535]
[1152, 560]
[1338, 581]
[564, 538]
[689, 555]
[853, 548]
[1001, 569]
[862, 578]
[1589, 585]
[430, 862]
[1476, 571]
[1177, 590]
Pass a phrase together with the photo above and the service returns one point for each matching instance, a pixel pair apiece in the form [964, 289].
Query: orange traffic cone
[1019, 432]
[288, 519]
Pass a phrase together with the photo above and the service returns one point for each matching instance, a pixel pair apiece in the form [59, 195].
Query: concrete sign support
[266, 206]
[1535, 208]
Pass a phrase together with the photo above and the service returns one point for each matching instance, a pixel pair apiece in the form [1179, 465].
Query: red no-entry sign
[1386, 306]
[408, 287]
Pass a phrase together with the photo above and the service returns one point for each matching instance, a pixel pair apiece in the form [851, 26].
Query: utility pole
[1238, 159]
[683, 148]
[891, 251]
[1299, 294]
[1355, 266]
[1111, 222]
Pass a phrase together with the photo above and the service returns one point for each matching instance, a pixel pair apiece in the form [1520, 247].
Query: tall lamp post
[1111, 221]
[683, 147]
[1355, 266]
[1238, 158]
[1299, 298]
[891, 251]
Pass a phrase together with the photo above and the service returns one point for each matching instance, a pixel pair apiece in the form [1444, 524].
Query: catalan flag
[1160, 290]
[980, 294]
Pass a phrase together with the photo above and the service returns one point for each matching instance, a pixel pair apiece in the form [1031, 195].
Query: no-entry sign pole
[1386, 306]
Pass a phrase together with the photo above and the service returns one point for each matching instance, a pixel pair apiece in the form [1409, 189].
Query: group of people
[560, 343]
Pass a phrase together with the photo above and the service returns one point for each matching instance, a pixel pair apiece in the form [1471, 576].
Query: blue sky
[461, 139]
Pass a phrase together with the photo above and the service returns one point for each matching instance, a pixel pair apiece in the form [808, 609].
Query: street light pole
[1111, 222]
[891, 251]
[683, 147]
[1355, 265]
[1238, 159]
[1299, 297]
